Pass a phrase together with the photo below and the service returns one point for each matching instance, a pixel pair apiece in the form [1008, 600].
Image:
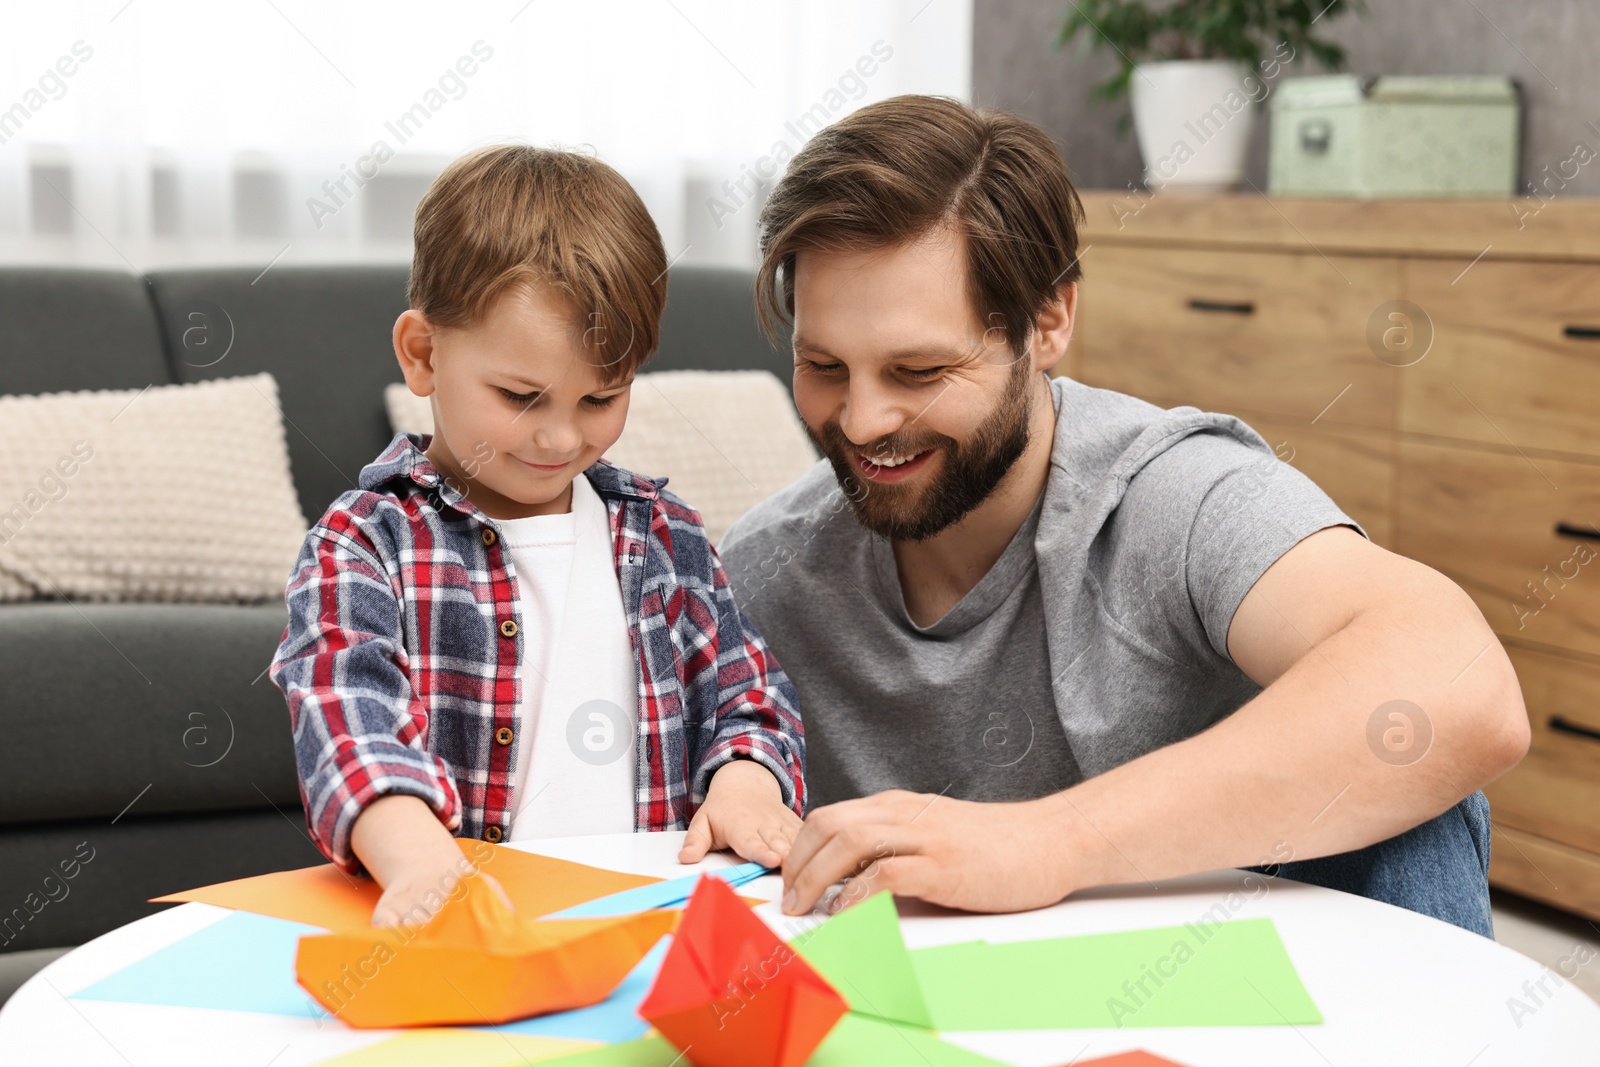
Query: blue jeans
[1440, 868]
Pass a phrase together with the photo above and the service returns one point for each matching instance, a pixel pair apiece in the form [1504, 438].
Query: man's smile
[893, 468]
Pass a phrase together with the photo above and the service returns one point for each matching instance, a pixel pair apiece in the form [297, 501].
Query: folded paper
[327, 897]
[613, 1020]
[475, 961]
[731, 994]
[860, 951]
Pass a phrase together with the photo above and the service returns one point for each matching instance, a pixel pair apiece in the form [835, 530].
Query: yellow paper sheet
[458, 1048]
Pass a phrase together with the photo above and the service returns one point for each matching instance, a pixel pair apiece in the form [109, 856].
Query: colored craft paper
[650, 1051]
[857, 1041]
[1126, 1059]
[730, 994]
[1233, 973]
[863, 1039]
[475, 961]
[613, 1020]
[245, 962]
[861, 953]
[327, 897]
[242, 962]
[672, 893]
[457, 1048]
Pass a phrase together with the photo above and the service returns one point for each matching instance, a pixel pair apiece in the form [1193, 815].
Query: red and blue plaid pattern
[400, 667]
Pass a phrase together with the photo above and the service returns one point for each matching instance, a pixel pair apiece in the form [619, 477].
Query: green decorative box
[1393, 136]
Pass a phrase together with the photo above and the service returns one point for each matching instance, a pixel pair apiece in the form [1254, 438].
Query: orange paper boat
[730, 994]
[476, 961]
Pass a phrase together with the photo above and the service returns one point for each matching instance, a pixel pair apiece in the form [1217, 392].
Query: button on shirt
[561, 787]
[400, 658]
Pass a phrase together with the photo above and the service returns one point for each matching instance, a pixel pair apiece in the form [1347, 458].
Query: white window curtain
[160, 131]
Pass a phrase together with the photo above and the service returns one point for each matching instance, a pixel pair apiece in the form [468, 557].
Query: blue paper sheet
[669, 894]
[245, 962]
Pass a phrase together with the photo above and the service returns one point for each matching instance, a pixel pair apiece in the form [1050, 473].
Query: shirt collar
[406, 458]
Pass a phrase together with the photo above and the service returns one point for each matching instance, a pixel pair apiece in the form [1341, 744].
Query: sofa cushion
[77, 328]
[88, 482]
[104, 700]
[117, 869]
[322, 331]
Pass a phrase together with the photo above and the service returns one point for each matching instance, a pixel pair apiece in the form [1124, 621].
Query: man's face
[519, 407]
[920, 411]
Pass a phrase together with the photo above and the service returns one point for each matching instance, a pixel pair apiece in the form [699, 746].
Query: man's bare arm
[1334, 630]
[1387, 700]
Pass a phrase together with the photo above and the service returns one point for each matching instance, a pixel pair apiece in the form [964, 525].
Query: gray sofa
[148, 733]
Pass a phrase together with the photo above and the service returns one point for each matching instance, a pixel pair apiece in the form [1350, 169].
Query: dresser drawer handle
[1563, 726]
[1567, 529]
[1583, 333]
[1245, 308]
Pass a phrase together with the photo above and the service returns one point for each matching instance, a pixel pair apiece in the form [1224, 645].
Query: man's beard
[970, 473]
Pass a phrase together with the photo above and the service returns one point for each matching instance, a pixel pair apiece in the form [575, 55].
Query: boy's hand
[412, 856]
[744, 811]
[421, 890]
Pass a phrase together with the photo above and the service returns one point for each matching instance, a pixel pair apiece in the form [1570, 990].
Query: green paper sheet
[1233, 973]
[855, 1040]
[649, 1051]
[860, 951]
[862, 1039]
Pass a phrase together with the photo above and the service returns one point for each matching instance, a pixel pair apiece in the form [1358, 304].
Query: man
[1046, 636]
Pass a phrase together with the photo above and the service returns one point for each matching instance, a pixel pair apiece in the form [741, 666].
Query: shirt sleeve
[757, 714]
[1258, 507]
[360, 731]
[1197, 527]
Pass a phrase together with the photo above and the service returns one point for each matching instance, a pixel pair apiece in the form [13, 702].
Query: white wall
[180, 131]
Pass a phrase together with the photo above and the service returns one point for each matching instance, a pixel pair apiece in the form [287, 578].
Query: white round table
[1393, 987]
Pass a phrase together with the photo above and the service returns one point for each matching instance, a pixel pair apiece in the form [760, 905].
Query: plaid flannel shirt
[399, 660]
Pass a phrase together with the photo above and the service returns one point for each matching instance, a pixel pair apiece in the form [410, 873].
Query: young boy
[500, 635]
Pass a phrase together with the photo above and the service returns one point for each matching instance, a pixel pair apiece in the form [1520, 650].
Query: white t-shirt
[577, 722]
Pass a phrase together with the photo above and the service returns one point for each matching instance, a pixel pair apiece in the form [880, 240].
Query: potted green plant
[1195, 69]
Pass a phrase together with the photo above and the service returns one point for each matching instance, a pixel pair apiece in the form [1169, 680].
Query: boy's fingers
[777, 839]
[747, 841]
[697, 841]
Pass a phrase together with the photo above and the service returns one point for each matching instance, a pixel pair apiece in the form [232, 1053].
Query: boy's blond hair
[513, 214]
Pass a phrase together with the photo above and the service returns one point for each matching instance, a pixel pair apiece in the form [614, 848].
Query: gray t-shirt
[1107, 641]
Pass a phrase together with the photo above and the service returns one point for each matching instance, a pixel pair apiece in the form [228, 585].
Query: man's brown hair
[894, 170]
[513, 214]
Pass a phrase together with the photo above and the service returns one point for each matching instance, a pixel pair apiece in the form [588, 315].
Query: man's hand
[956, 853]
[744, 811]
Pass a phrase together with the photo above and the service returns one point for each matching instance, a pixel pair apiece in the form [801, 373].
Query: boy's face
[519, 407]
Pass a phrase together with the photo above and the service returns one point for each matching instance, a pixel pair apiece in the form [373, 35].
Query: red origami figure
[731, 994]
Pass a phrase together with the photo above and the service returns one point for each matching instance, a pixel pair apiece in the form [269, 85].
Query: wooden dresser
[1435, 367]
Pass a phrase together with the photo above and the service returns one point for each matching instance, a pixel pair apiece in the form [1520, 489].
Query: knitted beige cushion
[727, 439]
[174, 492]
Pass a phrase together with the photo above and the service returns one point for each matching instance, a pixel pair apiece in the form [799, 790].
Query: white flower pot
[1193, 119]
